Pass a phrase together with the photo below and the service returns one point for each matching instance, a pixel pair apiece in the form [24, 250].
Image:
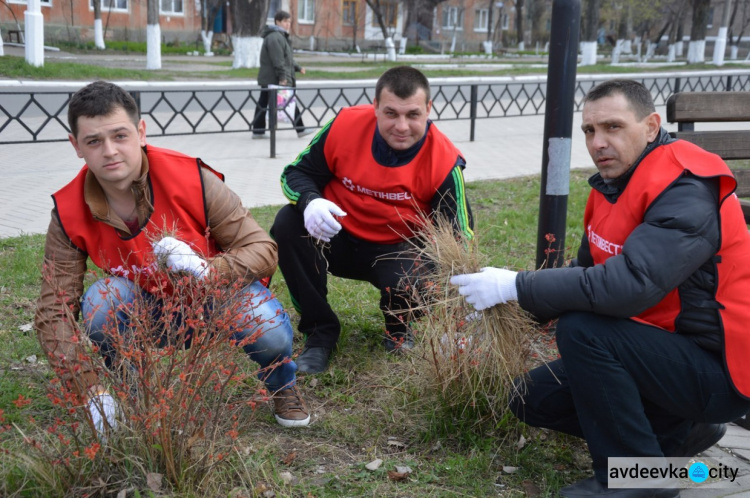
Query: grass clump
[473, 357]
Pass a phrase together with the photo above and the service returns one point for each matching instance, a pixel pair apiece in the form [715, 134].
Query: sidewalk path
[503, 148]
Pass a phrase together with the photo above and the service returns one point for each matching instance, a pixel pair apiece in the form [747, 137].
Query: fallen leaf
[509, 470]
[290, 458]
[314, 382]
[374, 465]
[397, 476]
[531, 489]
[26, 327]
[30, 359]
[521, 442]
[153, 481]
[286, 477]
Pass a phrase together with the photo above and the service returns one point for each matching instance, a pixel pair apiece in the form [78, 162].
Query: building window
[170, 7]
[390, 14]
[480, 19]
[306, 13]
[710, 18]
[111, 5]
[453, 18]
[349, 13]
[505, 22]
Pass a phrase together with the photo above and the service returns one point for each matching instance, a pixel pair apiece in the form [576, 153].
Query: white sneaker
[305, 133]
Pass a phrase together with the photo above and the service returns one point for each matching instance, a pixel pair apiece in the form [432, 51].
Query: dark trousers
[306, 266]
[629, 389]
[259, 121]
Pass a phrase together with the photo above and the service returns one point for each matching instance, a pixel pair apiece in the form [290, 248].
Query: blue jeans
[263, 316]
[629, 389]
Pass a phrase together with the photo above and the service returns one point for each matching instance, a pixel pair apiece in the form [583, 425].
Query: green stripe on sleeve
[462, 211]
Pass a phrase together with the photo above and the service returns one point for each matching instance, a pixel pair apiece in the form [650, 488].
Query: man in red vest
[652, 315]
[115, 212]
[357, 193]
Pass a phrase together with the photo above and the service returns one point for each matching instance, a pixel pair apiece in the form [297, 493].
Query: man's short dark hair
[403, 82]
[281, 15]
[100, 98]
[635, 93]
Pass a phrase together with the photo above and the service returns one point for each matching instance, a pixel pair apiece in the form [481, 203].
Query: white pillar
[98, 34]
[720, 46]
[34, 33]
[588, 53]
[153, 46]
[390, 49]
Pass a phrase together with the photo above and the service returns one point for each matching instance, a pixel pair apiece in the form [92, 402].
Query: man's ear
[142, 133]
[653, 122]
[429, 106]
[74, 142]
[375, 103]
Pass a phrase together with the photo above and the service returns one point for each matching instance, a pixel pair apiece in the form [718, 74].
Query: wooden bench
[689, 108]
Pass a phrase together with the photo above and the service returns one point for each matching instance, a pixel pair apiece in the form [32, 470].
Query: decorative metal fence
[36, 112]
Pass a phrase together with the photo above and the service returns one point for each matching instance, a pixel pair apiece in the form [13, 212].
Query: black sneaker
[313, 360]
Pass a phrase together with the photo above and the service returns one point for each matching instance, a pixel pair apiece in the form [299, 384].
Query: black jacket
[674, 247]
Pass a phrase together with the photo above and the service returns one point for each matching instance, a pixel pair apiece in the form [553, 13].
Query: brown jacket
[249, 254]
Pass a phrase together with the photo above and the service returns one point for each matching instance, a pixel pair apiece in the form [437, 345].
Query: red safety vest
[384, 204]
[179, 209]
[608, 226]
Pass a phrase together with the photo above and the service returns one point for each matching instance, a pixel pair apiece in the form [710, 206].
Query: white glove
[103, 409]
[319, 220]
[181, 257]
[486, 289]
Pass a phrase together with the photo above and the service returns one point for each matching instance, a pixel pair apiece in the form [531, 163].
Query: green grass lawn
[16, 67]
[368, 405]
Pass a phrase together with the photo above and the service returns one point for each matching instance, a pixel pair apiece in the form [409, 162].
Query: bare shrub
[184, 389]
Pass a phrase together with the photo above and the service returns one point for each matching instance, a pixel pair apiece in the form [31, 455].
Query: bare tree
[743, 22]
[209, 9]
[519, 23]
[590, 30]
[377, 10]
[153, 35]
[697, 46]
[248, 20]
[98, 31]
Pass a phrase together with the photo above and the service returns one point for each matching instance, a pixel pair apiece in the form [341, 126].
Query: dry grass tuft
[473, 356]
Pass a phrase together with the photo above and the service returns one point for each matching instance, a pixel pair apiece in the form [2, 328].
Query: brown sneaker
[289, 408]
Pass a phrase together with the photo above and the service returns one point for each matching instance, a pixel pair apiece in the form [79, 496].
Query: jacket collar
[613, 188]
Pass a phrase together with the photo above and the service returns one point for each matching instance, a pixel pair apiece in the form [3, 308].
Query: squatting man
[652, 314]
[119, 204]
[357, 194]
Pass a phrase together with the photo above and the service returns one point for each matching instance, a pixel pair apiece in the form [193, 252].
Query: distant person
[652, 315]
[113, 213]
[277, 67]
[356, 195]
